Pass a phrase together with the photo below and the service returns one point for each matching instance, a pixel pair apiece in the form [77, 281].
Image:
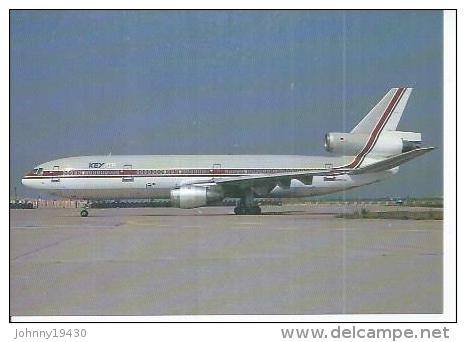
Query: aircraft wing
[237, 185]
[248, 181]
[306, 176]
[390, 163]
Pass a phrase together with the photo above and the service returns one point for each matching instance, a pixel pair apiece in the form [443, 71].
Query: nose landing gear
[84, 212]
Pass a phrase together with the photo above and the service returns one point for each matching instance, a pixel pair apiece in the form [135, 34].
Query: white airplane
[371, 152]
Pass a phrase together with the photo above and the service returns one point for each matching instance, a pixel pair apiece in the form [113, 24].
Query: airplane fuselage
[155, 176]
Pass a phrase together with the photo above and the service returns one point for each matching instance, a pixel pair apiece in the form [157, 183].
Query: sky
[220, 82]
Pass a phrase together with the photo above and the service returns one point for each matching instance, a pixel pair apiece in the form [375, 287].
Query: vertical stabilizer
[387, 113]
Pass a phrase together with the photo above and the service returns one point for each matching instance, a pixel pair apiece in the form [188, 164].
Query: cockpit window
[38, 171]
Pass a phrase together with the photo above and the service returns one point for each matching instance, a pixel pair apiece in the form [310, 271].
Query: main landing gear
[247, 206]
[242, 210]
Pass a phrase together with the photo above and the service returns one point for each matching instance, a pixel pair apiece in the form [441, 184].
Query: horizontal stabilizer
[390, 163]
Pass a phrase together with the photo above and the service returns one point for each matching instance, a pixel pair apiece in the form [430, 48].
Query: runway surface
[166, 261]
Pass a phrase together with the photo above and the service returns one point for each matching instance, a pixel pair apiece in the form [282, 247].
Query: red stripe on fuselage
[118, 173]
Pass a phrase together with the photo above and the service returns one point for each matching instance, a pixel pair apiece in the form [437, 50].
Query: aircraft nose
[26, 182]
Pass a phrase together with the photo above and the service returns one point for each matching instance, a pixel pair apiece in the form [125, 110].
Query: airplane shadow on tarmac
[278, 213]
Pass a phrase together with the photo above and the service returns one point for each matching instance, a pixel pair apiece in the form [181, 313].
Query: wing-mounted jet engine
[194, 196]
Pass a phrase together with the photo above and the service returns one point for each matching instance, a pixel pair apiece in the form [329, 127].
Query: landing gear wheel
[84, 213]
[240, 210]
[256, 210]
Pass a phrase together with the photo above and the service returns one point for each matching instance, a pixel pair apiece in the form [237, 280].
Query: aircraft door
[55, 177]
[216, 169]
[127, 173]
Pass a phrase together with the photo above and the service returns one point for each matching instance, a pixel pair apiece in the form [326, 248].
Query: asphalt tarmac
[165, 261]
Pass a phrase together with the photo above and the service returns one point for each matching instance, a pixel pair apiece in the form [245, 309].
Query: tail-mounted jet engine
[190, 196]
[387, 144]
